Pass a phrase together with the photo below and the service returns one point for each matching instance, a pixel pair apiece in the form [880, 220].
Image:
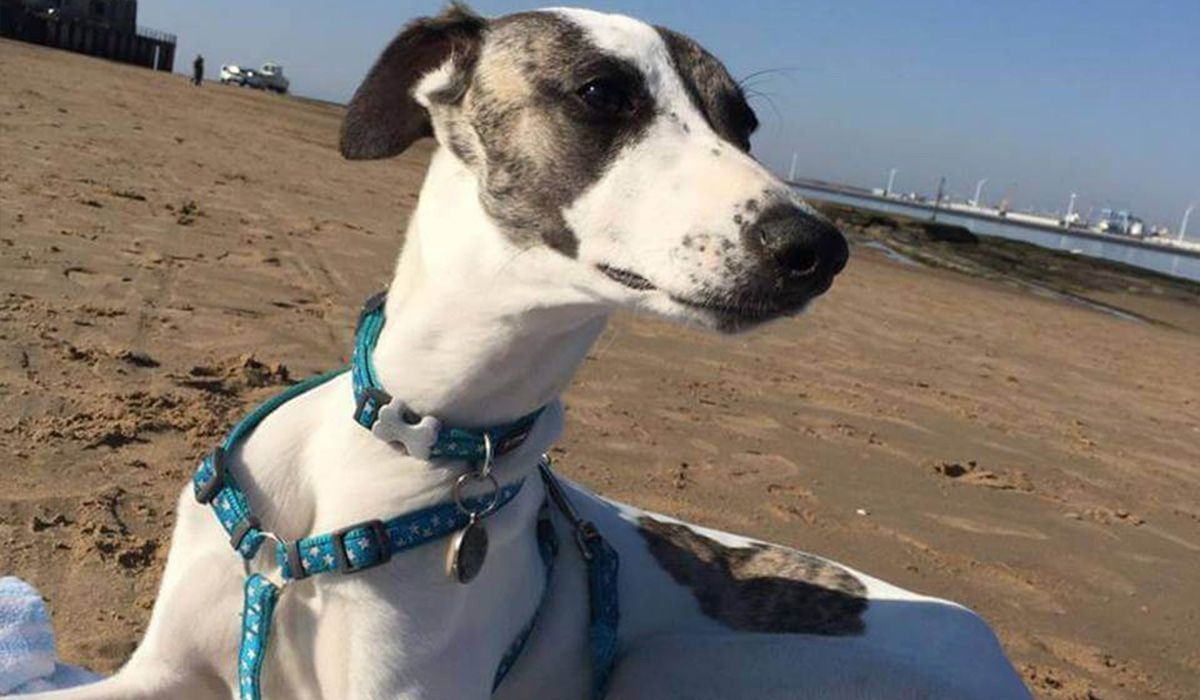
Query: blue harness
[368, 544]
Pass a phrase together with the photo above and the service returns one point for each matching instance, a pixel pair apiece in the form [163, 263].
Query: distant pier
[1160, 256]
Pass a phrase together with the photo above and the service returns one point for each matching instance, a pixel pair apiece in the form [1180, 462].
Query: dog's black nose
[800, 243]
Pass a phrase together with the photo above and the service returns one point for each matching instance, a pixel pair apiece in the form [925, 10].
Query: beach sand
[170, 255]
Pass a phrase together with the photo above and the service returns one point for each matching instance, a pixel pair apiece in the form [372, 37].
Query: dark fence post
[166, 59]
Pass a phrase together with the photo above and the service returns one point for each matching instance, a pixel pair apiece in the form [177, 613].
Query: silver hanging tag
[467, 552]
[469, 546]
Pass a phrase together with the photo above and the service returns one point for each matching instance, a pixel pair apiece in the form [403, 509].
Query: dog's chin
[718, 313]
[738, 315]
[726, 311]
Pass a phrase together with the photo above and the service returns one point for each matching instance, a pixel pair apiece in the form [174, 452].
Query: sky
[1043, 98]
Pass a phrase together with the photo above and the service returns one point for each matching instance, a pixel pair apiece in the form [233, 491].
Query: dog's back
[709, 614]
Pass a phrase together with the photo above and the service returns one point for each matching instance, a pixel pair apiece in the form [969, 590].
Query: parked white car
[269, 77]
[232, 75]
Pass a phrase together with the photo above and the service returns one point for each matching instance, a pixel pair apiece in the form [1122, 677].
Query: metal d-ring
[483, 473]
[489, 456]
[473, 477]
[283, 581]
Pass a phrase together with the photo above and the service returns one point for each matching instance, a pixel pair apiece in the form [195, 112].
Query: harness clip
[377, 398]
[371, 305]
[383, 546]
[295, 563]
[585, 532]
[242, 529]
[208, 489]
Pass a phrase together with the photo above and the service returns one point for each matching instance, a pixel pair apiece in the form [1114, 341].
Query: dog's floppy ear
[384, 118]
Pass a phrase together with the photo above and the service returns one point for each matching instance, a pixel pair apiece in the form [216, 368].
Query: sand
[171, 255]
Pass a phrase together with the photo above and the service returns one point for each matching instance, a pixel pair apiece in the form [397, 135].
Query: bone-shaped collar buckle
[418, 438]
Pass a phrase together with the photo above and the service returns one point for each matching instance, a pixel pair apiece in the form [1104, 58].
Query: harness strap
[370, 544]
[548, 549]
[257, 608]
[603, 565]
[604, 611]
[213, 484]
[373, 542]
[260, 596]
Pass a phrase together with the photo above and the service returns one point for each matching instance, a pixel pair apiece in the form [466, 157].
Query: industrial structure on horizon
[102, 28]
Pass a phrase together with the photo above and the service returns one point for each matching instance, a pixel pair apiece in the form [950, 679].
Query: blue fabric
[257, 609]
[547, 543]
[451, 443]
[28, 662]
[26, 640]
[604, 611]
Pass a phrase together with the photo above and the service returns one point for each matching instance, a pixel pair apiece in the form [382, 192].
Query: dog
[585, 162]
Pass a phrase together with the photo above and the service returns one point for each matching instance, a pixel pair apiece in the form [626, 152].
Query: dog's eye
[606, 96]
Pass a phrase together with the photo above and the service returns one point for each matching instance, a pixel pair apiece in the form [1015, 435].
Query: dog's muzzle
[795, 255]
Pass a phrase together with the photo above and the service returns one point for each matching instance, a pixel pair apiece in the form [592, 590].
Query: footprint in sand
[750, 426]
[91, 279]
[981, 527]
[972, 473]
[756, 462]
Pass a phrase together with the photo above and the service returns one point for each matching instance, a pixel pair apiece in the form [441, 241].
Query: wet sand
[170, 256]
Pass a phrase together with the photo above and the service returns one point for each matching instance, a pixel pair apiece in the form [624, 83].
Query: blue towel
[27, 659]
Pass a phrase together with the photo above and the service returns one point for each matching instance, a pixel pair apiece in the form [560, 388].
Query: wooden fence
[143, 47]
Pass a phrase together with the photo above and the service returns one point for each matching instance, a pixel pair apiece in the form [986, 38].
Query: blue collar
[391, 420]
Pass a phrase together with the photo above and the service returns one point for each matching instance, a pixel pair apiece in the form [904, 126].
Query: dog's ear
[384, 117]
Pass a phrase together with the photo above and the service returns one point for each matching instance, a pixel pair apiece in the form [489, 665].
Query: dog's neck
[474, 334]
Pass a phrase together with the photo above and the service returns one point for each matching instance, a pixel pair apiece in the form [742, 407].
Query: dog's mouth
[627, 278]
[733, 313]
[736, 311]
[728, 312]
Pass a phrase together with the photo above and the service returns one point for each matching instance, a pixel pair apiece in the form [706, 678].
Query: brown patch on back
[759, 588]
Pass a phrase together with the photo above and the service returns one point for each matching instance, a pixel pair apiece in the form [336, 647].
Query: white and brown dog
[586, 162]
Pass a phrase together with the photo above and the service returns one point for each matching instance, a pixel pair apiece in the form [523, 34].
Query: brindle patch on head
[712, 90]
[759, 588]
[522, 127]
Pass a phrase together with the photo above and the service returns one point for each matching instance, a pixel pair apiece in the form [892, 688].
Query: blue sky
[1042, 98]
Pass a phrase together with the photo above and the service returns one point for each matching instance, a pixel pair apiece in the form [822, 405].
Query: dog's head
[620, 147]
